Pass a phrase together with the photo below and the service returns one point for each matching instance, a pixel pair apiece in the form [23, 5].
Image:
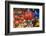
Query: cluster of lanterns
[23, 17]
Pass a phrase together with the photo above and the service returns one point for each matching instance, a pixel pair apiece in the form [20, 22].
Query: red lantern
[28, 15]
[20, 21]
[16, 21]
